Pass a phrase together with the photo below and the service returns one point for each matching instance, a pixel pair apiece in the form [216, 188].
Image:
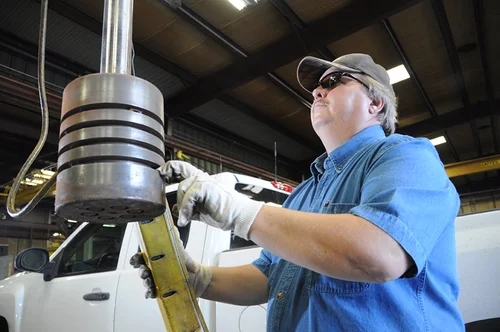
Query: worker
[367, 243]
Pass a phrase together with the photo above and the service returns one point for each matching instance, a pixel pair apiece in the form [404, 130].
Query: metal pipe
[116, 47]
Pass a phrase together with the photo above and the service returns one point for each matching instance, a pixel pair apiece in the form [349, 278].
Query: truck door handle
[96, 296]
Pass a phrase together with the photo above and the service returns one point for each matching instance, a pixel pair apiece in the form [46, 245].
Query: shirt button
[339, 168]
[280, 295]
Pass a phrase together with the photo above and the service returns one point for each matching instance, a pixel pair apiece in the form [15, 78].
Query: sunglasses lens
[329, 82]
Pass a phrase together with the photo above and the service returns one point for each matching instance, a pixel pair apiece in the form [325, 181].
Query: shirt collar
[337, 158]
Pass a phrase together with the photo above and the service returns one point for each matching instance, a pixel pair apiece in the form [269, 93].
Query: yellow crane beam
[473, 166]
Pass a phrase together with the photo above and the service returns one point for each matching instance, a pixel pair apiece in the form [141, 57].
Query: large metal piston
[111, 142]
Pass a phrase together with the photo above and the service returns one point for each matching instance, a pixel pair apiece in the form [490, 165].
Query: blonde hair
[388, 116]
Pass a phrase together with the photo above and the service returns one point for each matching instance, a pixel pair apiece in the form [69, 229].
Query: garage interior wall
[480, 202]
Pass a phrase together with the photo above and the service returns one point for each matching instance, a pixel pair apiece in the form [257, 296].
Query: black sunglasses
[332, 80]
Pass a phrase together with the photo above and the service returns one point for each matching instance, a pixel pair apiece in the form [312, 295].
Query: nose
[319, 93]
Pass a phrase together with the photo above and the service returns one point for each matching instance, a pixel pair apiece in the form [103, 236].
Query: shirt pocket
[319, 283]
[322, 284]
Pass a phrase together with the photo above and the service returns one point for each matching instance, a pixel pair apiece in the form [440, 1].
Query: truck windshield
[258, 193]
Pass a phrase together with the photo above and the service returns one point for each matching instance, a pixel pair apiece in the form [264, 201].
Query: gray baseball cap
[311, 69]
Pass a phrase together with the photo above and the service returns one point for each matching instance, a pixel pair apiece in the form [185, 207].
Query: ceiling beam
[30, 225]
[13, 127]
[96, 27]
[233, 102]
[402, 54]
[450, 119]
[478, 16]
[26, 234]
[325, 53]
[29, 51]
[190, 16]
[467, 167]
[444, 26]
[286, 50]
[278, 81]
[90, 23]
[478, 187]
[28, 93]
[214, 129]
[24, 92]
[287, 12]
[199, 151]
[297, 24]
[214, 34]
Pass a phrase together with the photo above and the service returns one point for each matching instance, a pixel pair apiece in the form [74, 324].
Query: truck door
[82, 295]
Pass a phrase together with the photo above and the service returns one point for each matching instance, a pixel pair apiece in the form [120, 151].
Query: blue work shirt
[399, 184]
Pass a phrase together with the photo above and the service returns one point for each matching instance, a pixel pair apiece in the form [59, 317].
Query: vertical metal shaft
[116, 47]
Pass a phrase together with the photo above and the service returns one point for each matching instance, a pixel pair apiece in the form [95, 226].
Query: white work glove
[205, 199]
[175, 171]
[199, 275]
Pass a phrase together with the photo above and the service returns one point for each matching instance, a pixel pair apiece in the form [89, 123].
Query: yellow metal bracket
[175, 296]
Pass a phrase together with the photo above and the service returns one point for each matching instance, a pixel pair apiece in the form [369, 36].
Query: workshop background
[231, 96]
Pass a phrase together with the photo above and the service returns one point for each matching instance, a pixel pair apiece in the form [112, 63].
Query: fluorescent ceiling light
[72, 221]
[28, 183]
[398, 74]
[108, 225]
[240, 4]
[43, 176]
[438, 140]
[47, 172]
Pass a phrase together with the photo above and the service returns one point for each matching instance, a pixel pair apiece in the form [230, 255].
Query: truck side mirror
[32, 259]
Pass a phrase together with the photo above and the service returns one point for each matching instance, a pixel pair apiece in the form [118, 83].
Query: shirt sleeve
[407, 193]
[263, 263]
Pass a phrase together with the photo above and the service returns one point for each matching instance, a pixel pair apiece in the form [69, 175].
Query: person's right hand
[175, 171]
[199, 275]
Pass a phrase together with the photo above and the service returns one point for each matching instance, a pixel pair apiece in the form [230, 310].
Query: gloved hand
[203, 198]
[175, 171]
[199, 275]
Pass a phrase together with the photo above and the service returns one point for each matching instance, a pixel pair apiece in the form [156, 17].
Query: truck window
[95, 249]
[256, 193]
[183, 231]
[260, 194]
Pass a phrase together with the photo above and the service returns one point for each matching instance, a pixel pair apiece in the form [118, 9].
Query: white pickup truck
[94, 288]
[94, 261]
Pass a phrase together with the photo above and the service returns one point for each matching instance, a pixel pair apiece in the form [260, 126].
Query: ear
[376, 106]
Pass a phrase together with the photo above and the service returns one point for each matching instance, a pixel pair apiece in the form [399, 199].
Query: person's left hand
[207, 200]
[200, 275]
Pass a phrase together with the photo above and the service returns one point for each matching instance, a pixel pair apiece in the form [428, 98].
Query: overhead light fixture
[438, 140]
[56, 234]
[28, 183]
[36, 181]
[398, 74]
[72, 221]
[240, 4]
[42, 176]
[108, 225]
[47, 172]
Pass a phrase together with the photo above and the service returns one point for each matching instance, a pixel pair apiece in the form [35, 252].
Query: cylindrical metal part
[116, 47]
[98, 91]
[111, 142]
[112, 116]
[114, 192]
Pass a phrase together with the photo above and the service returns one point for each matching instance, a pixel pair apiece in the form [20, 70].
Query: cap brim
[310, 70]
